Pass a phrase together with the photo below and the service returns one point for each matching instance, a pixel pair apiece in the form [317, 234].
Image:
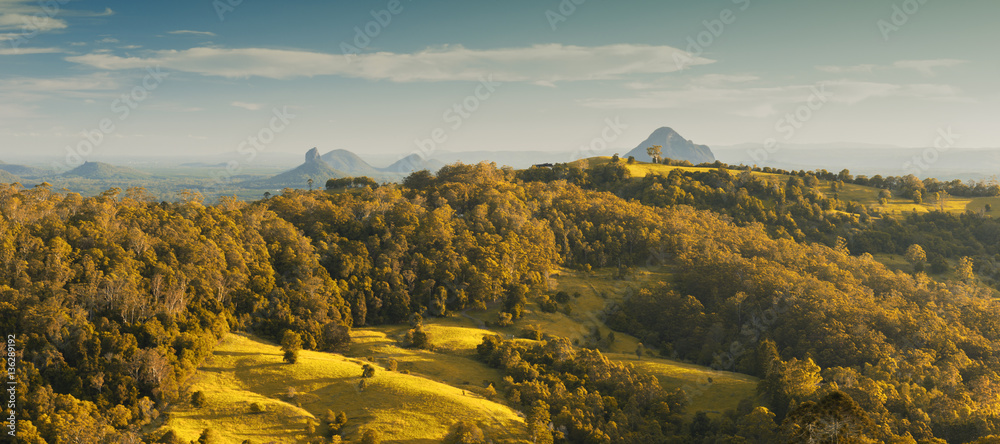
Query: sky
[91, 78]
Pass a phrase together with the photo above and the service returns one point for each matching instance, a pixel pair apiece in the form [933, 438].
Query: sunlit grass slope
[404, 408]
[708, 390]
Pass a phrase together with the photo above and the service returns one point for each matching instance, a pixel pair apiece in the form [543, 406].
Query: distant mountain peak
[674, 146]
[313, 156]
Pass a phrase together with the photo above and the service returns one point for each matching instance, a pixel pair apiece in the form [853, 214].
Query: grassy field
[868, 196]
[404, 408]
[708, 390]
[432, 388]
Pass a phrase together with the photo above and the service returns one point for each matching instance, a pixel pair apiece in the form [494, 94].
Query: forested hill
[116, 299]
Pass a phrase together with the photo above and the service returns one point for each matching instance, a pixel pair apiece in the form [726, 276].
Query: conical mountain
[314, 168]
[674, 147]
[413, 162]
[350, 163]
[105, 171]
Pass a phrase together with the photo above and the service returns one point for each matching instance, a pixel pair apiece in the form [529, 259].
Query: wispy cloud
[82, 83]
[543, 64]
[925, 67]
[34, 23]
[188, 32]
[853, 69]
[26, 51]
[249, 106]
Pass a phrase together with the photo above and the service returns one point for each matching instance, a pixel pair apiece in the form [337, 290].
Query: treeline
[118, 297]
[916, 355]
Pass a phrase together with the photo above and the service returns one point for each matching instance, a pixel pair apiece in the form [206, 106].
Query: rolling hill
[349, 163]
[244, 371]
[414, 162]
[106, 172]
[24, 170]
[6, 177]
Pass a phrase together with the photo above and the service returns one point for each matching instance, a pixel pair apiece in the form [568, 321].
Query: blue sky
[549, 74]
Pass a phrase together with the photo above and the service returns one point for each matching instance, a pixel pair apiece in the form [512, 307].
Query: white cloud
[108, 40]
[28, 23]
[29, 89]
[853, 69]
[927, 67]
[721, 79]
[540, 64]
[249, 106]
[188, 32]
[25, 51]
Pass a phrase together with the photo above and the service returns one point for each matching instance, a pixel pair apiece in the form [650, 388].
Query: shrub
[371, 437]
[547, 305]
[562, 297]
[367, 371]
[209, 436]
[170, 438]
[198, 399]
[291, 344]
[257, 408]
[392, 365]
[533, 332]
[505, 319]
[416, 337]
[464, 433]
[335, 422]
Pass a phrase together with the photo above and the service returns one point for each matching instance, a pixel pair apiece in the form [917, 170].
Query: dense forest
[116, 299]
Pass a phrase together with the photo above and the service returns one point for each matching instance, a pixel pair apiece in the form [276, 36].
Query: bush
[562, 297]
[547, 305]
[335, 422]
[170, 438]
[257, 408]
[416, 338]
[505, 319]
[209, 436]
[371, 437]
[368, 371]
[464, 433]
[198, 399]
[392, 365]
[291, 343]
[533, 332]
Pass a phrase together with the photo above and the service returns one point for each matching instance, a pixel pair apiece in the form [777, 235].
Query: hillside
[6, 177]
[403, 407]
[106, 172]
[24, 171]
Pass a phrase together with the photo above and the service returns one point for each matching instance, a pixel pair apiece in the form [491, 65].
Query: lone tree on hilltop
[655, 152]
